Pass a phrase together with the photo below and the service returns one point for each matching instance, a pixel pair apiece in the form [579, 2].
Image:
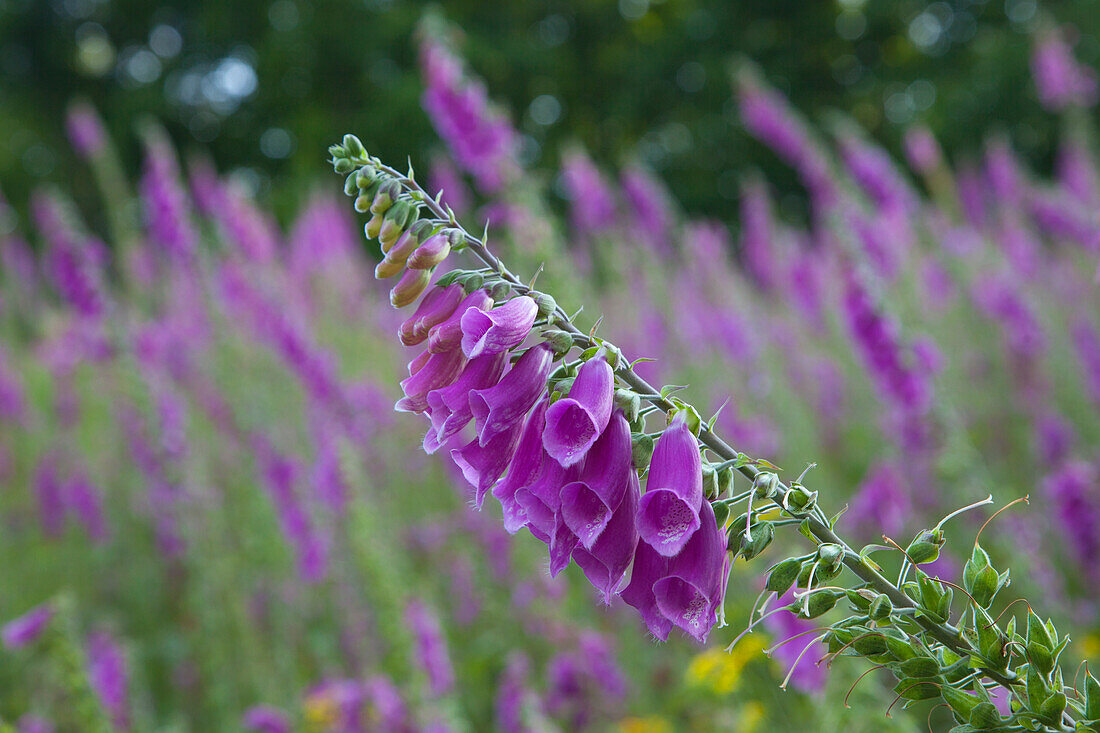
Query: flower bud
[820, 601]
[434, 250]
[560, 341]
[766, 485]
[387, 193]
[388, 267]
[343, 165]
[393, 223]
[473, 281]
[760, 536]
[641, 450]
[365, 178]
[546, 303]
[783, 576]
[500, 290]
[337, 151]
[362, 203]
[354, 147]
[710, 482]
[350, 189]
[799, 501]
[373, 227]
[725, 481]
[831, 556]
[626, 400]
[456, 238]
[721, 514]
[409, 287]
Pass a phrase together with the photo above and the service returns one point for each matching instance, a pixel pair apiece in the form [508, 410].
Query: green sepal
[913, 690]
[1092, 697]
[920, 667]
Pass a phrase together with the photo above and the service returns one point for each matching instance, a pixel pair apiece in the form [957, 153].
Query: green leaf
[911, 690]
[920, 667]
[1092, 697]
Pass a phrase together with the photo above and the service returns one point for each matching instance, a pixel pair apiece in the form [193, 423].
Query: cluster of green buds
[941, 641]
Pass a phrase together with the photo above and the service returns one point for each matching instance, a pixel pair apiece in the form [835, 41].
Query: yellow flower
[720, 671]
[752, 715]
[321, 711]
[651, 724]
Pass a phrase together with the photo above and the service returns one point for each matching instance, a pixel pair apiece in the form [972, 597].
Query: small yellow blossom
[321, 712]
[651, 724]
[720, 671]
[752, 715]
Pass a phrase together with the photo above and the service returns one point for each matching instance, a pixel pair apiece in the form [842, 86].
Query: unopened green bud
[799, 501]
[500, 290]
[365, 178]
[630, 403]
[350, 189]
[922, 552]
[560, 341]
[766, 485]
[821, 601]
[385, 196]
[343, 165]
[362, 203]
[710, 482]
[881, 608]
[473, 281]
[831, 556]
[354, 146]
[393, 222]
[373, 226]
[760, 536]
[546, 304]
[337, 151]
[725, 481]
[641, 450]
[456, 238]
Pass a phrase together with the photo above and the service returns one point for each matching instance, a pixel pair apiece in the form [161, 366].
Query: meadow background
[869, 231]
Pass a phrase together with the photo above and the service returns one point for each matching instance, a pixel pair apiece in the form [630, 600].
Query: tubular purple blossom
[449, 407]
[668, 515]
[108, 677]
[431, 647]
[85, 130]
[695, 583]
[574, 423]
[499, 329]
[498, 408]
[526, 466]
[1060, 81]
[266, 719]
[649, 567]
[588, 502]
[435, 308]
[167, 211]
[591, 202]
[436, 372]
[482, 465]
[448, 334]
[606, 561]
[27, 628]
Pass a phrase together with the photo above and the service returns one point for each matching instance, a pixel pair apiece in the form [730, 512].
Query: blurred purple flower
[27, 628]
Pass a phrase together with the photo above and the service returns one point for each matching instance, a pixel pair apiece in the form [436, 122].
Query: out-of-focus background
[266, 85]
[864, 234]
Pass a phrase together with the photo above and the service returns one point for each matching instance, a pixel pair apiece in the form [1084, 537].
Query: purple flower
[444, 177]
[497, 330]
[107, 674]
[388, 708]
[588, 502]
[1086, 341]
[527, 464]
[512, 693]
[922, 150]
[483, 465]
[1073, 492]
[50, 493]
[758, 236]
[87, 503]
[167, 211]
[27, 628]
[71, 263]
[592, 204]
[1060, 81]
[874, 171]
[807, 676]
[85, 129]
[435, 308]
[34, 724]
[574, 423]
[448, 334]
[449, 407]
[427, 374]
[431, 647]
[498, 408]
[650, 209]
[266, 719]
[606, 561]
[668, 515]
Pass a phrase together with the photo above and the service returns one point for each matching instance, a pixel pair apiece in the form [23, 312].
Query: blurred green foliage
[266, 84]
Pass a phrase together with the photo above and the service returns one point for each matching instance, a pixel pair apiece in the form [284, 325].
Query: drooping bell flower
[562, 543]
[690, 593]
[669, 512]
[606, 561]
[450, 406]
[436, 307]
[431, 647]
[524, 470]
[108, 676]
[649, 567]
[497, 330]
[498, 408]
[27, 628]
[588, 502]
[435, 372]
[447, 335]
[541, 499]
[574, 423]
[483, 465]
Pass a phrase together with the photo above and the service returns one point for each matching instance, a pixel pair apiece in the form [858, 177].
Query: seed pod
[1037, 632]
[870, 645]
[923, 552]
[978, 560]
[783, 575]
[799, 501]
[409, 287]
[760, 536]
[1040, 658]
[881, 608]
[821, 601]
